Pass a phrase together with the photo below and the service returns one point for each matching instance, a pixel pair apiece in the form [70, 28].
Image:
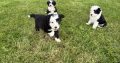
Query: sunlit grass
[20, 43]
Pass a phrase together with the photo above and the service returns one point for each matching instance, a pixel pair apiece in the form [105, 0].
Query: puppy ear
[48, 3]
[99, 9]
[54, 3]
[61, 16]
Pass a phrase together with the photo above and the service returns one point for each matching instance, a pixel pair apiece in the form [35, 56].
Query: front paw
[57, 40]
[99, 26]
[94, 28]
[51, 34]
[87, 24]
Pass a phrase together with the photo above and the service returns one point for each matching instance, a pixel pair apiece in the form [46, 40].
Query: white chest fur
[52, 8]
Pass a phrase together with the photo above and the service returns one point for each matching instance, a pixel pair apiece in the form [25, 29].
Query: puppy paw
[57, 40]
[87, 24]
[99, 26]
[94, 28]
[51, 34]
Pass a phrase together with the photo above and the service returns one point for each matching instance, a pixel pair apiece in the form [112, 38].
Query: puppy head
[54, 24]
[95, 11]
[51, 3]
[55, 20]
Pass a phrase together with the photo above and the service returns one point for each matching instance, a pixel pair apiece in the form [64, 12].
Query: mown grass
[20, 43]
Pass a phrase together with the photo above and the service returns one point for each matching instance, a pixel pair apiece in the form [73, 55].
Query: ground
[20, 43]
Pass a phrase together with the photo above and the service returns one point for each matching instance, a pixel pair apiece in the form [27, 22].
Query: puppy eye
[51, 22]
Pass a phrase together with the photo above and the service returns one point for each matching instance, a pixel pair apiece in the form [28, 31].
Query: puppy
[51, 7]
[96, 17]
[48, 23]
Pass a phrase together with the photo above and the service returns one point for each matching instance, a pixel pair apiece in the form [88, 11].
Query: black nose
[55, 27]
[91, 14]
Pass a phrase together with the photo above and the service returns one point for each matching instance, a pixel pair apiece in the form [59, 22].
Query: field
[20, 43]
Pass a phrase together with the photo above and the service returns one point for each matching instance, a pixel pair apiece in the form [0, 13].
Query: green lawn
[20, 43]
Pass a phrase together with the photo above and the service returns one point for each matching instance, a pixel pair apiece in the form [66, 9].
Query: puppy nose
[55, 27]
[50, 5]
[91, 14]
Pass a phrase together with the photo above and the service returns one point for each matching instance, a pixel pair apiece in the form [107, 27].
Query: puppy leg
[95, 25]
[57, 36]
[37, 28]
[89, 22]
[47, 11]
[51, 34]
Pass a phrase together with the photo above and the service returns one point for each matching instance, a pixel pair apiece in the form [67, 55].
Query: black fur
[97, 11]
[102, 21]
[41, 21]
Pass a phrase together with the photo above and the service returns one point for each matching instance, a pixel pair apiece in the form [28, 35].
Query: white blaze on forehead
[51, 0]
[52, 19]
[55, 16]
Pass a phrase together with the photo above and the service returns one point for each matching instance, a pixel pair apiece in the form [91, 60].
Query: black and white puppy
[48, 23]
[96, 17]
[51, 7]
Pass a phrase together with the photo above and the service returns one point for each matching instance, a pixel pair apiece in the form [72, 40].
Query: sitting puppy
[48, 23]
[96, 17]
[51, 7]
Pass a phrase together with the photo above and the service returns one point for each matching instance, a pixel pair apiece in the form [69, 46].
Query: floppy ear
[48, 3]
[99, 9]
[61, 16]
[54, 3]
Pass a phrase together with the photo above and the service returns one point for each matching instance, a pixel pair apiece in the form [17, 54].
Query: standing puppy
[51, 7]
[48, 23]
[96, 17]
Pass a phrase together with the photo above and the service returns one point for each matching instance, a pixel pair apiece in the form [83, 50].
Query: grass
[20, 43]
